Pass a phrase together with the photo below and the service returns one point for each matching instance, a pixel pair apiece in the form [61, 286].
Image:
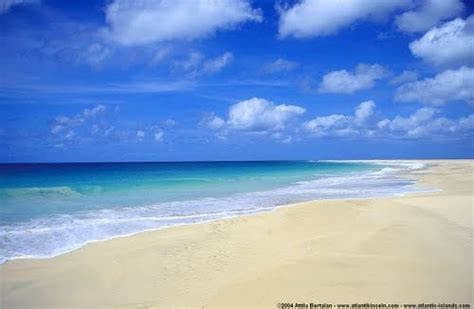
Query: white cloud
[6, 5]
[343, 81]
[258, 114]
[256, 117]
[406, 124]
[428, 14]
[341, 125]
[92, 112]
[423, 124]
[64, 124]
[404, 77]
[133, 22]
[169, 122]
[140, 135]
[327, 125]
[217, 64]
[282, 137]
[159, 136]
[364, 111]
[196, 64]
[311, 18]
[383, 123]
[450, 85]
[193, 60]
[212, 122]
[449, 45]
[94, 129]
[261, 118]
[69, 135]
[280, 65]
[108, 131]
[85, 115]
[96, 54]
[56, 129]
[160, 55]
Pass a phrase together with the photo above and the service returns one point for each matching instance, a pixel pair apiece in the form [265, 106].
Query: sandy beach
[412, 249]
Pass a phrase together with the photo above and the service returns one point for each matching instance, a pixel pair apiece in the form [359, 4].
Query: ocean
[50, 209]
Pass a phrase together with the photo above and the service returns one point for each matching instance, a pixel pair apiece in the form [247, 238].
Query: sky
[191, 80]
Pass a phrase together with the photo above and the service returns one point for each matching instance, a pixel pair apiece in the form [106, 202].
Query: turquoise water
[49, 209]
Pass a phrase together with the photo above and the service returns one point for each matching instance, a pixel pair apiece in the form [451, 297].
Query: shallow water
[49, 209]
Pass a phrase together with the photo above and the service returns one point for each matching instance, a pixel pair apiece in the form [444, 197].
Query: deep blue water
[48, 209]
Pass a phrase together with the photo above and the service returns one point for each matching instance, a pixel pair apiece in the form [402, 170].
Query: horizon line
[224, 161]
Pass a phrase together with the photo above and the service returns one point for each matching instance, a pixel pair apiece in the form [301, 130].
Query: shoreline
[424, 163]
[147, 259]
[276, 208]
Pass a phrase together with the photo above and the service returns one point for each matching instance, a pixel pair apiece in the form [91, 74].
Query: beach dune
[412, 249]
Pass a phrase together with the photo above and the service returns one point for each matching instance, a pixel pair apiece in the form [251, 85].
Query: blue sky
[125, 80]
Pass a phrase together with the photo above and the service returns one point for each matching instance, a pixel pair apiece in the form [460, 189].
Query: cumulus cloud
[256, 116]
[364, 111]
[428, 14]
[280, 65]
[259, 117]
[337, 125]
[341, 125]
[449, 45]
[405, 124]
[312, 18]
[450, 85]
[6, 5]
[148, 21]
[212, 122]
[343, 81]
[423, 124]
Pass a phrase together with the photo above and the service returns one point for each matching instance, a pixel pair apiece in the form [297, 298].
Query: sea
[50, 209]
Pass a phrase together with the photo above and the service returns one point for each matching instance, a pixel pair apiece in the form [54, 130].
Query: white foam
[396, 163]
